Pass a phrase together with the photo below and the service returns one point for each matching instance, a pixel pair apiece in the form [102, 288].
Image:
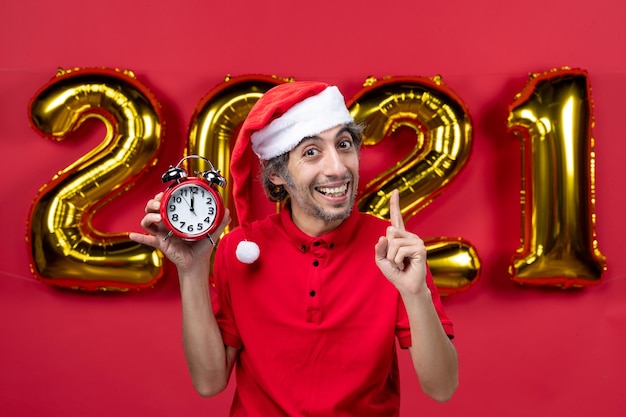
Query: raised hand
[401, 255]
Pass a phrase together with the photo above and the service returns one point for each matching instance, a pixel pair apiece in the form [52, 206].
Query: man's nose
[334, 163]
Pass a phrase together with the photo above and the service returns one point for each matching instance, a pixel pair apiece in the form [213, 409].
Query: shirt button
[316, 263]
[312, 293]
[303, 248]
[332, 245]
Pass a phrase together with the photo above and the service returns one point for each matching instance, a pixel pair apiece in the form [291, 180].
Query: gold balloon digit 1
[65, 250]
[443, 132]
[216, 122]
[553, 118]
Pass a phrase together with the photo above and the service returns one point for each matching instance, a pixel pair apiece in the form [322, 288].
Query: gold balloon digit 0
[443, 132]
[65, 250]
[553, 117]
[216, 122]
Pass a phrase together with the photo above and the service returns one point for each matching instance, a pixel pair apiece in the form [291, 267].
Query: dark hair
[278, 165]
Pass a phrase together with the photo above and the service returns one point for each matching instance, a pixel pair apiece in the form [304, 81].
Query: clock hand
[190, 205]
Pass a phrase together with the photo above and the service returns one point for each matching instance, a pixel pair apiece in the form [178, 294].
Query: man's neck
[311, 225]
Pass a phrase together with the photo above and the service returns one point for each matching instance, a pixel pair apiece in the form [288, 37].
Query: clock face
[192, 209]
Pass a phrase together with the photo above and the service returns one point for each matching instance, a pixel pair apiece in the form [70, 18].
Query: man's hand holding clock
[184, 221]
[185, 254]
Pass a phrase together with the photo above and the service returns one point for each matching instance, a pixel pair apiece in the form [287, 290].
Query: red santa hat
[276, 124]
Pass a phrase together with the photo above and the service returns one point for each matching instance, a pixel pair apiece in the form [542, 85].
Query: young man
[307, 304]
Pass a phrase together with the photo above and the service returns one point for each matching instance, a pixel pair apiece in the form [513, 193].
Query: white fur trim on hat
[309, 117]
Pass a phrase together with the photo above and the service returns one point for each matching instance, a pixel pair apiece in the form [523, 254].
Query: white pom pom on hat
[276, 124]
[247, 252]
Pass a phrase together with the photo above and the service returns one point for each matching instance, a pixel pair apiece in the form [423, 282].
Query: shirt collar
[337, 237]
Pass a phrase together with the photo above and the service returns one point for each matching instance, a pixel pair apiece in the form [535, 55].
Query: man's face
[322, 180]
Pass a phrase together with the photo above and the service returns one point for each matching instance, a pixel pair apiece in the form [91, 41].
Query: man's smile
[338, 191]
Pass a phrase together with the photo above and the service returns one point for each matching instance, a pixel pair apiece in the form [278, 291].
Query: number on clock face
[191, 209]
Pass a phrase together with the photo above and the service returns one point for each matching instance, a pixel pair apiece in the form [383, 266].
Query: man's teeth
[334, 192]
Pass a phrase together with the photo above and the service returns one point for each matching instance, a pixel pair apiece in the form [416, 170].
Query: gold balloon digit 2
[443, 132]
[65, 250]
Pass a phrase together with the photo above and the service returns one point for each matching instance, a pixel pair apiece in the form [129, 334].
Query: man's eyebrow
[343, 130]
[308, 139]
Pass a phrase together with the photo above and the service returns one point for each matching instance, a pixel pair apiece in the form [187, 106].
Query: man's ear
[276, 179]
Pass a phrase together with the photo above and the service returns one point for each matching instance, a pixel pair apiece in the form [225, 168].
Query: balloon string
[17, 276]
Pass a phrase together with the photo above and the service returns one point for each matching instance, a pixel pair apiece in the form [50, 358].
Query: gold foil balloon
[443, 132]
[65, 249]
[553, 117]
[454, 263]
[215, 124]
[439, 119]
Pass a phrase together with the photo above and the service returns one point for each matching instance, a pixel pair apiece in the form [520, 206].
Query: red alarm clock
[191, 207]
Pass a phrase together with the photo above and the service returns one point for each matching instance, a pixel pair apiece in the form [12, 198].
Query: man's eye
[345, 144]
[310, 152]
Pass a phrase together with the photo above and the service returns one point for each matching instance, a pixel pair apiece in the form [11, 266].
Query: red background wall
[523, 351]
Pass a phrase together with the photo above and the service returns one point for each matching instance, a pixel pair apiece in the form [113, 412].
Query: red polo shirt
[315, 320]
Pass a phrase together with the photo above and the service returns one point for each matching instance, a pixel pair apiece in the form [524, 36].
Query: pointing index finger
[394, 210]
